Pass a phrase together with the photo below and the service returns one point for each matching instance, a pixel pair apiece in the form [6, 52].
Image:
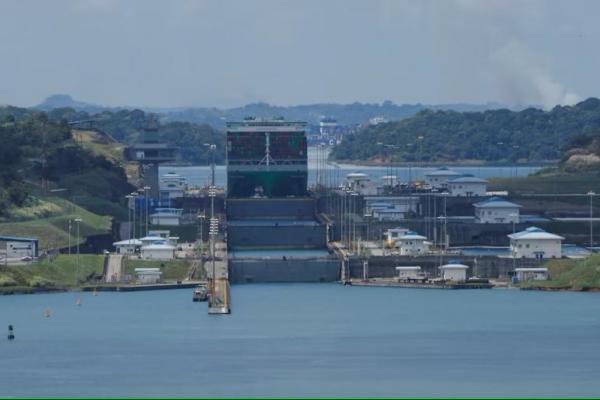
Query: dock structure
[218, 276]
[423, 285]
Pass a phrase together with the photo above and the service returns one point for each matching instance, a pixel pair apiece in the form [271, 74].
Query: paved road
[114, 270]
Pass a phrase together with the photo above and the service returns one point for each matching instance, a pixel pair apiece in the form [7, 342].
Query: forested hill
[38, 155]
[494, 135]
[127, 126]
[346, 114]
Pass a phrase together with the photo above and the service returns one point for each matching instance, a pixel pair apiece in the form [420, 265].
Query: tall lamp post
[591, 194]
[70, 226]
[201, 218]
[78, 221]
[133, 196]
[129, 197]
[146, 193]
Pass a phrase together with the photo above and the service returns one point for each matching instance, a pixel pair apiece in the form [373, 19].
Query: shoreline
[464, 163]
[188, 285]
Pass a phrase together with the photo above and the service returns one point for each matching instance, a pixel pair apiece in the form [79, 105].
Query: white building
[531, 274]
[535, 243]
[128, 246]
[172, 186]
[496, 210]
[327, 127]
[158, 252]
[412, 244]
[377, 120]
[454, 272]
[405, 273]
[166, 216]
[394, 234]
[361, 184]
[148, 275]
[467, 186]
[438, 179]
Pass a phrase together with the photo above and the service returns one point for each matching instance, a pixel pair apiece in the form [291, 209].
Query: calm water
[200, 175]
[304, 340]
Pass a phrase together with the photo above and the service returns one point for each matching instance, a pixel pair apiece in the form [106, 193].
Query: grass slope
[62, 271]
[171, 270]
[51, 227]
[571, 274]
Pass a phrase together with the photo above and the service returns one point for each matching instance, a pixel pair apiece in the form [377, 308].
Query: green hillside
[571, 274]
[490, 136]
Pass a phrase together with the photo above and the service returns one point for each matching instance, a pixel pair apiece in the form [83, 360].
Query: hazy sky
[228, 53]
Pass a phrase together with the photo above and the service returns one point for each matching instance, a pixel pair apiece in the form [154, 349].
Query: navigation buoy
[78, 301]
[11, 334]
[47, 312]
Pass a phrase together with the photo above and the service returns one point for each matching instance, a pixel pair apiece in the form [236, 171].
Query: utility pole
[146, 192]
[133, 196]
[70, 222]
[78, 221]
[591, 194]
[129, 197]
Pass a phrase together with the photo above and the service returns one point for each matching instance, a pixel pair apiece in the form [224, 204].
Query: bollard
[11, 334]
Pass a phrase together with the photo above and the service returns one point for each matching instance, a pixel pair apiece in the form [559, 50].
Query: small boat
[201, 293]
[95, 292]
[78, 301]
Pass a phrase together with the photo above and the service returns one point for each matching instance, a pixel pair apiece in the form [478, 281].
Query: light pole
[78, 221]
[133, 196]
[146, 192]
[591, 194]
[201, 218]
[213, 231]
[70, 223]
[129, 197]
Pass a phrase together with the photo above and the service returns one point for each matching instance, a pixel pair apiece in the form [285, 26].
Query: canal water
[201, 175]
[304, 340]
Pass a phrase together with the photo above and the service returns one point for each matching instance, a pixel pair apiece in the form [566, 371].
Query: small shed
[148, 275]
[158, 252]
[454, 272]
[19, 246]
[531, 274]
[409, 272]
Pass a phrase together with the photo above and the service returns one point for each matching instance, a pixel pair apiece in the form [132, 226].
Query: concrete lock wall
[271, 208]
[273, 235]
[484, 267]
[308, 270]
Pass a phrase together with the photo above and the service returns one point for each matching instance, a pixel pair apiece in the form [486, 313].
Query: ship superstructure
[266, 158]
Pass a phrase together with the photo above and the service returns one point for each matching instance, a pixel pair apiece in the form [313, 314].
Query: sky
[180, 53]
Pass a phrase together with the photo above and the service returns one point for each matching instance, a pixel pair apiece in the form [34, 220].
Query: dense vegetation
[495, 135]
[38, 155]
[128, 126]
[571, 274]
